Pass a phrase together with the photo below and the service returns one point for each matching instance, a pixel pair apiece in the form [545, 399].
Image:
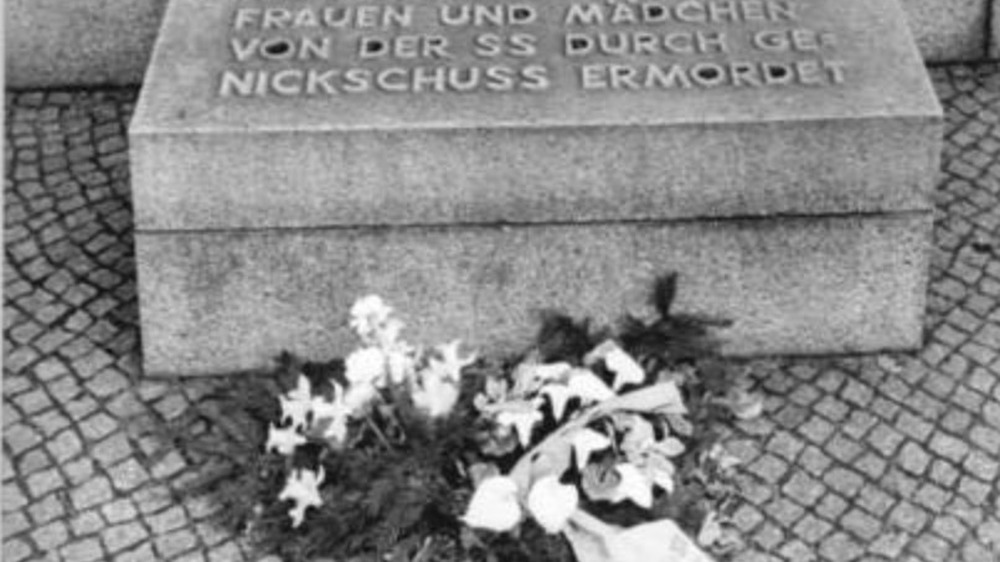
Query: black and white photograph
[501, 281]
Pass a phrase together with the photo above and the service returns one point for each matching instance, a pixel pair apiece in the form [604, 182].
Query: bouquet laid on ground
[593, 446]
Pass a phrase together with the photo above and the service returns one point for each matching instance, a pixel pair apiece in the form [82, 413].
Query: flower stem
[378, 433]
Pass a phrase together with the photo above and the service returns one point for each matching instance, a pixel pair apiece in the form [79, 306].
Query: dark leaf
[562, 339]
[664, 292]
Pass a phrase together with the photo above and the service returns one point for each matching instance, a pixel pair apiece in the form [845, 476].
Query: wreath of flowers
[579, 439]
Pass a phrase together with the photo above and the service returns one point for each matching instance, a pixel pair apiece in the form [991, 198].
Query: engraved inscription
[286, 48]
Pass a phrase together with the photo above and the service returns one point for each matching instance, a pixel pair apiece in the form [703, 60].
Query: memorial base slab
[215, 302]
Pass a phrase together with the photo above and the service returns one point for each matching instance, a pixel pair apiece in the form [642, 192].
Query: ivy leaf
[585, 442]
[552, 503]
[494, 505]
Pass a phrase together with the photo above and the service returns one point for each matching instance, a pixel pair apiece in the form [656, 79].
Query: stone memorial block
[474, 161]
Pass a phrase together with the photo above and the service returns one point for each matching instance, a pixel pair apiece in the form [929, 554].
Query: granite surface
[950, 30]
[94, 42]
[227, 301]
[852, 127]
[52, 43]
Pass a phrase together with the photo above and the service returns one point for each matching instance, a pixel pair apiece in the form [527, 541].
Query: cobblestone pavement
[889, 457]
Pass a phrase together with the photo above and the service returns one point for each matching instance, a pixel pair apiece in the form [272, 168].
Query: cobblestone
[893, 457]
[46, 509]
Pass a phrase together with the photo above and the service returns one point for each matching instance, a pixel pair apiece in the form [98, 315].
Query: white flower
[366, 366]
[358, 396]
[558, 395]
[450, 365]
[296, 404]
[588, 386]
[659, 470]
[523, 422]
[528, 377]
[283, 440]
[302, 488]
[336, 411]
[386, 335]
[399, 362]
[585, 442]
[494, 505]
[626, 369]
[435, 395]
[368, 315]
[634, 485]
[552, 503]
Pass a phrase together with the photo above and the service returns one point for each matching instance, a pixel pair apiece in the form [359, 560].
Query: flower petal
[639, 435]
[332, 413]
[588, 386]
[626, 369]
[523, 422]
[660, 471]
[297, 403]
[450, 363]
[633, 486]
[585, 442]
[494, 505]
[366, 366]
[358, 396]
[283, 440]
[436, 398]
[302, 487]
[552, 503]
[558, 395]
[367, 314]
[669, 447]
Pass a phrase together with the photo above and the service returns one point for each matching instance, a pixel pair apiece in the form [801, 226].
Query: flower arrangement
[592, 446]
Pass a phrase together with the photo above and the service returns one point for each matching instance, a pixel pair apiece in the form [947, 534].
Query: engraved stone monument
[474, 161]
